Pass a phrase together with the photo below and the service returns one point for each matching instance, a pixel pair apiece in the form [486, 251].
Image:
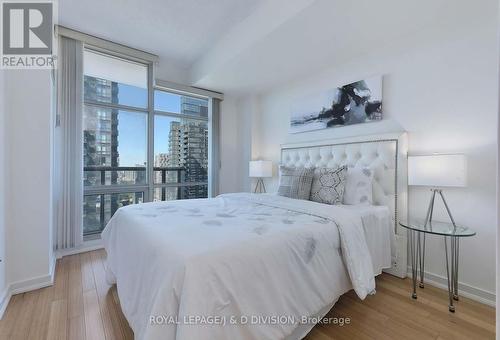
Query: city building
[194, 154]
[161, 163]
[161, 160]
[188, 150]
[100, 149]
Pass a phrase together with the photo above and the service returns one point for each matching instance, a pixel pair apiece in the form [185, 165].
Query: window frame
[207, 119]
[148, 188]
[103, 190]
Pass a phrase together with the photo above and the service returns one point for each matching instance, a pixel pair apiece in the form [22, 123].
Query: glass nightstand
[417, 230]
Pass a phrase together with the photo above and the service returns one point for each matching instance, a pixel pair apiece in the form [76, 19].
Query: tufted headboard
[386, 154]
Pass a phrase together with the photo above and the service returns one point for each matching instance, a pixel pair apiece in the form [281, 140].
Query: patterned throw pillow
[295, 182]
[358, 186]
[328, 185]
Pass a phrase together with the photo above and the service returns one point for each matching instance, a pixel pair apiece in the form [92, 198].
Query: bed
[249, 266]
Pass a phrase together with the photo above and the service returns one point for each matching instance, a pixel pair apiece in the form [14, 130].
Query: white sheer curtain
[68, 145]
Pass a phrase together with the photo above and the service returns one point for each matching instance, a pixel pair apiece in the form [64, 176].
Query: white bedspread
[239, 257]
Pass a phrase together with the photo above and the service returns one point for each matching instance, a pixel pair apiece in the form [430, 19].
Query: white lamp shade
[438, 170]
[261, 169]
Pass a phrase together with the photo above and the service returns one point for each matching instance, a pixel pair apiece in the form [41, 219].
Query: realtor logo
[27, 34]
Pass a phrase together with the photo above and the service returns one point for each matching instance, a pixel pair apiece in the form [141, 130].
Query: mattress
[379, 234]
[240, 255]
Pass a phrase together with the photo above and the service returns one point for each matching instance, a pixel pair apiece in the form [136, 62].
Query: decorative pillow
[328, 185]
[295, 182]
[358, 186]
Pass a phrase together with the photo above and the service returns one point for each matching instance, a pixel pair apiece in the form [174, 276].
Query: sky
[132, 126]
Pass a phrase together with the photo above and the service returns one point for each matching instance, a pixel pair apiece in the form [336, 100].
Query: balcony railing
[113, 192]
[116, 169]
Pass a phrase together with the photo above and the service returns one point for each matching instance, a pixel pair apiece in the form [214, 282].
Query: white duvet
[240, 266]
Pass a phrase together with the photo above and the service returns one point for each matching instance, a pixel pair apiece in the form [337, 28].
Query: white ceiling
[177, 30]
[323, 34]
[252, 45]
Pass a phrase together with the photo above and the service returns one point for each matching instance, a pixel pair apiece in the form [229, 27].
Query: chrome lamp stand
[259, 186]
[430, 210]
[452, 260]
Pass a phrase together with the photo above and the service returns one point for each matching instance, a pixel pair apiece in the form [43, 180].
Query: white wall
[239, 124]
[28, 166]
[3, 140]
[229, 181]
[441, 87]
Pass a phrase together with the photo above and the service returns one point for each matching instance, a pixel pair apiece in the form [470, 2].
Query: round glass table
[417, 230]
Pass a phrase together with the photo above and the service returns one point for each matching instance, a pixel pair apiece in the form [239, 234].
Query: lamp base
[430, 210]
[260, 188]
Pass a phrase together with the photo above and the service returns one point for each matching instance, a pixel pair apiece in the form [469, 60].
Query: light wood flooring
[81, 305]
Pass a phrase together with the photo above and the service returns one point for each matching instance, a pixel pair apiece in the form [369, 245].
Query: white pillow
[328, 185]
[295, 182]
[358, 186]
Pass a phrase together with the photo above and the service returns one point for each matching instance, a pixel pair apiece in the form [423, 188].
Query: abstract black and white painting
[354, 103]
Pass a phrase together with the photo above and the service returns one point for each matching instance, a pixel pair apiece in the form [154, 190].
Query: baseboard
[465, 290]
[26, 286]
[36, 282]
[4, 301]
[399, 266]
[83, 248]
[45, 280]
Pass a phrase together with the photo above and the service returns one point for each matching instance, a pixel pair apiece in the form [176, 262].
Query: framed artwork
[354, 103]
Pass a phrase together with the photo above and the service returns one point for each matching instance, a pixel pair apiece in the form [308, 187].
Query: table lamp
[259, 170]
[437, 171]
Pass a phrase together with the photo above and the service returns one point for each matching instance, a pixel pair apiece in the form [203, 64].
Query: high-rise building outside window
[181, 142]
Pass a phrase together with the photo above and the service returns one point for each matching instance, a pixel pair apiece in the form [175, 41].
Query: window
[114, 81]
[115, 125]
[118, 170]
[178, 103]
[180, 147]
[101, 207]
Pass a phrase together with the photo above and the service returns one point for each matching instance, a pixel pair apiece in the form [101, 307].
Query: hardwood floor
[81, 305]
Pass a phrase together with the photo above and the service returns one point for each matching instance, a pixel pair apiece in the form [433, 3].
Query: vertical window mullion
[151, 118]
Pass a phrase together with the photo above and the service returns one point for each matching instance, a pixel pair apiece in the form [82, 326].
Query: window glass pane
[98, 209]
[114, 140]
[180, 150]
[166, 194]
[112, 80]
[194, 191]
[114, 146]
[167, 102]
[94, 176]
[91, 214]
[176, 193]
[176, 103]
